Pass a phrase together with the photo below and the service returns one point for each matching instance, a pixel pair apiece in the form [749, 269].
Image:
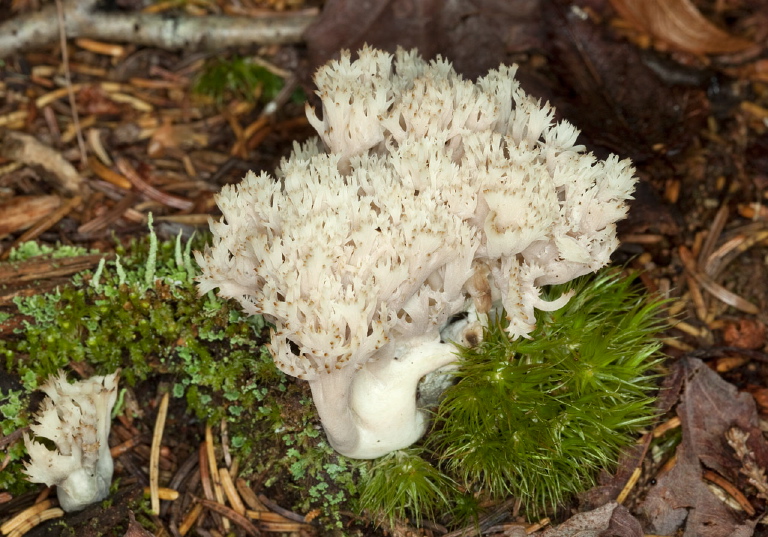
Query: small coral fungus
[76, 418]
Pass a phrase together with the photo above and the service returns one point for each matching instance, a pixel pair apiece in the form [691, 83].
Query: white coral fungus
[76, 418]
[425, 196]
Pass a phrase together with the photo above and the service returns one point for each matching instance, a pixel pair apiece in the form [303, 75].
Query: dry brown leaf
[610, 91]
[761, 397]
[709, 407]
[679, 24]
[475, 36]
[168, 136]
[610, 519]
[20, 147]
[747, 334]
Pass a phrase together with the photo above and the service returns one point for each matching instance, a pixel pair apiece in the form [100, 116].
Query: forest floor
[89, 146]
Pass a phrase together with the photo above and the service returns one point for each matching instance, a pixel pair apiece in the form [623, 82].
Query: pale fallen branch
[83, 20]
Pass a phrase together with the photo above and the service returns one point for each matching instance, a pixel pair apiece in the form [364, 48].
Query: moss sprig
[240, 78]
[404, 483]
[537, 418]
[534, 418]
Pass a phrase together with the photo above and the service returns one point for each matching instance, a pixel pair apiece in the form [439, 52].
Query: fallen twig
[154, 468]
[181, 32]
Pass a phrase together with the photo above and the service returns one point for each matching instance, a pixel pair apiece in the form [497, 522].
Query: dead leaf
[93, 100]
[709, 407]
[610, 520]
[28, 150]
[680, 25]
[761, 397]
[610, 486]
[168, 136]
[747, 334]
[475, 35]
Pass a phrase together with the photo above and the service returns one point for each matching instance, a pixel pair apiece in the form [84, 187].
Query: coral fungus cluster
[424, 197]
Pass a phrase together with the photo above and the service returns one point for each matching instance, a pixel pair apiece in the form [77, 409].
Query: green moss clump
[405, 483]
[29, 249]
[239, 78]
[537, 418]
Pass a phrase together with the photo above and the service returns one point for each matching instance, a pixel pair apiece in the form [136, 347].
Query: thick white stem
[331, 394]
[370, 412]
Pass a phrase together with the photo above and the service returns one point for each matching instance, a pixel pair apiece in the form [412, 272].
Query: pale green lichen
[30, 249]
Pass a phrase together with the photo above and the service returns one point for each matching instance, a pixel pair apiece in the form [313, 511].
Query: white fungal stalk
[425, 196]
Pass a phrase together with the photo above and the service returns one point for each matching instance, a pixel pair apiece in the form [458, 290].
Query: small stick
[154, 457]
[231, 492]
[190, 519]
[731, 489]
[214, 471]
[229, 514]
[68, 78]
[31, 522]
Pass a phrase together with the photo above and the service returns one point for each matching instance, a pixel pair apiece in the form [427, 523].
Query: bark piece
[21, 212]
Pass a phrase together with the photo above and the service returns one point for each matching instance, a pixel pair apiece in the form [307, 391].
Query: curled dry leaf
[746, 334]
[709, 407]
[680, 25]
[28, 150]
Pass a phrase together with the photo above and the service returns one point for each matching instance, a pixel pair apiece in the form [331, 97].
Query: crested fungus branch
[424, 197]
